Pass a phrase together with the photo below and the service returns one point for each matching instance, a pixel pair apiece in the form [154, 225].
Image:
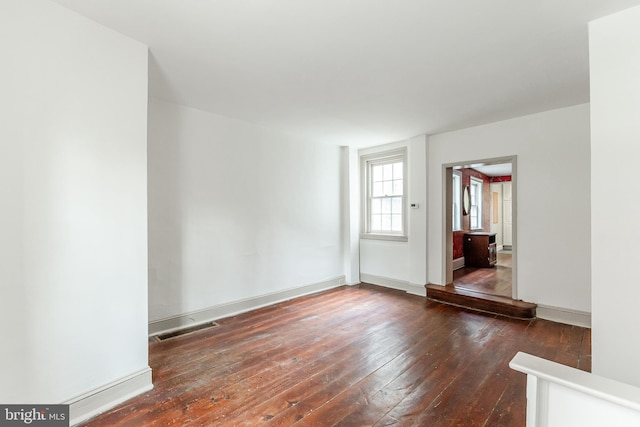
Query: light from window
[475, 211]
[384, 207]
[457, 197]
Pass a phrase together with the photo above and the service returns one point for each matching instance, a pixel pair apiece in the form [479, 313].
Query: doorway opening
[480, 238]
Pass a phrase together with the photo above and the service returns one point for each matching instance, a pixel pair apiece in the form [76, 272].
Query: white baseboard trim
[385, 281]
[241, 306]
[99, 400]
[564, 315]
[457, 263]
[416, 289]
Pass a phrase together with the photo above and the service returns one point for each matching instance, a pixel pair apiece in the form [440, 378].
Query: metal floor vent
[185, 331]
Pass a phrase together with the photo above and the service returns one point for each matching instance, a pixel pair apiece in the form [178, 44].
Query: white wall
[553, 243]
[402, 264]
[236, 211]
[351, 214]
[73, 274]
[615, 205]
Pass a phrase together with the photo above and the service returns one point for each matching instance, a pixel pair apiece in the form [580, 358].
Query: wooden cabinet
[480, 249]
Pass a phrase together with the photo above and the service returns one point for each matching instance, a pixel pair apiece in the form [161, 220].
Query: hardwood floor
[492, 281]
[352, 356]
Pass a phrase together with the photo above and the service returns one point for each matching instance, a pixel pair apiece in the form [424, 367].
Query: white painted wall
[553, 243]
[351, 219]
[418, 218]
[385, 259]
[236, 211]
[615, 136]
[403, 262]
[73, 274]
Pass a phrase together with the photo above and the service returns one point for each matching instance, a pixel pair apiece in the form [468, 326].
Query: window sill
[389, 237]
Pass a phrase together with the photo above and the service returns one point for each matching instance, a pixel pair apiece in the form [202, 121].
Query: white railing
[560, 396]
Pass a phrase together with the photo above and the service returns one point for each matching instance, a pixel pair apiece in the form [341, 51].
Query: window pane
[377, 189]
[376, 206]
[476, 204]
[387, 175]
[456, 196]
[386, 206]
[397, 187]
[376, 222]
[397, 171]
[473, 214]
[376, 173]
[396, 205]
[388, 188]
[386, 222]
[396, 222]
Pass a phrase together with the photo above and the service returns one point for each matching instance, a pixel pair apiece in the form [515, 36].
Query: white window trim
[365, 162]
[480, 213]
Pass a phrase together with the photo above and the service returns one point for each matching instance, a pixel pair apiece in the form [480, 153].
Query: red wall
[501, 178]
[486, 209]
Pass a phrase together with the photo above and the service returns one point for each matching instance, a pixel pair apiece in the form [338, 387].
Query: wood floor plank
[329, 365]
[377, 402]
[263, 367]
[508, 411]
[456, 405]
[351, 356]
[431, 392]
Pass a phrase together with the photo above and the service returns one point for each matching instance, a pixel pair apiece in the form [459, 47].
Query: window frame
[366, 164]
[475, 182]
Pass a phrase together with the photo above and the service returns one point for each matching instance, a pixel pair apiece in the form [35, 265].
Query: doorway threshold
[479, 301]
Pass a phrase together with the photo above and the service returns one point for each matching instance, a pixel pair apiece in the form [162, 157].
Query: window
[475, 210]
[384, 204]
[457, 197]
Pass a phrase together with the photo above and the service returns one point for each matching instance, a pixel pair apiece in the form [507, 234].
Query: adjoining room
[320, 212]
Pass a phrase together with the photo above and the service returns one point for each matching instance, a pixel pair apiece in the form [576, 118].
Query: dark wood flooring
[492, 281]
[351, 356]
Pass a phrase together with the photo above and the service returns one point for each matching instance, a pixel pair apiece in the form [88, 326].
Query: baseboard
[385, 281]
[97, 401]
[408, 287]
[457, 264]
[230, 309]
[564, 315]
[416, 289]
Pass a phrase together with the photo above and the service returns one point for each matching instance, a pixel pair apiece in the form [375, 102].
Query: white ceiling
[362, 72]
[502, 169]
